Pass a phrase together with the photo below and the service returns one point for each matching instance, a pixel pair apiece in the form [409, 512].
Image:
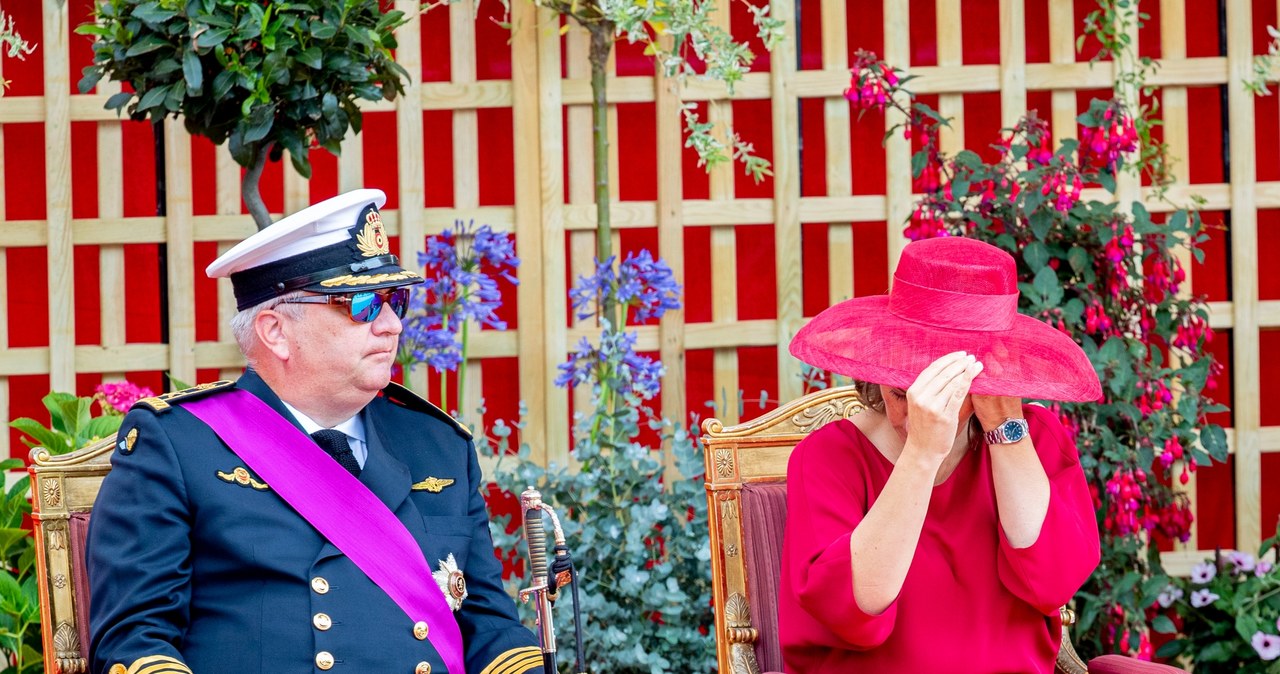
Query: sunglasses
[364, 307]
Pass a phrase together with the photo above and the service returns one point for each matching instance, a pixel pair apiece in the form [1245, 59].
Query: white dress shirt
[353, 428]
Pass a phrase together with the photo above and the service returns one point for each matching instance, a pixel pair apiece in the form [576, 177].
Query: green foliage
[19, 602]
[1223, 613]
[639, 542]
[263, 76]
[71, 424]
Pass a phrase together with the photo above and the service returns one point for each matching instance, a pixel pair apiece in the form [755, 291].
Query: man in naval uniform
[252, 526]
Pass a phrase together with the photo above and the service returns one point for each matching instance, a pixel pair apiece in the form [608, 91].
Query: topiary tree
[265, 77]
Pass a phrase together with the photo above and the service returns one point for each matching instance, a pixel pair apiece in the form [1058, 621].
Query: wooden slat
[950, 47]
[898, 198]
[1244, 278]
[1062, 51]
[111, 271]
[180, 253]
[724, 246]
[839, 162]
[57, 174]
[1013, 62]
[786, 204]
[1173, 45]
[553, 302]
[466, 175]
[534, 284]
[411, 180]
[669, 140]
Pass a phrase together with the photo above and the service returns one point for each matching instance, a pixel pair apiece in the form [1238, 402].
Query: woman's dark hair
[870, 394]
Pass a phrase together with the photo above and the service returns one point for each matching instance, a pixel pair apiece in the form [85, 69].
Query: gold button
[321, 621]
[324, 660]
[320, 585]
[420, 630]
[422, 668]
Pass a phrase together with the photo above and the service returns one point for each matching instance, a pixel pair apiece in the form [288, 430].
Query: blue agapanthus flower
[461, 264]
[640, 282]
[615, 362]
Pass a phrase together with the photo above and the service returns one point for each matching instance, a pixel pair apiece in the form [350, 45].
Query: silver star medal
[451, 581]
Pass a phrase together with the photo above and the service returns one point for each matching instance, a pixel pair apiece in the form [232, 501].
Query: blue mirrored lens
[399, 301]
[365, 306]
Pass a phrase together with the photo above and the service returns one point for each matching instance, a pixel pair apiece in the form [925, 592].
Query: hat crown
[955, 283]
[958, 265]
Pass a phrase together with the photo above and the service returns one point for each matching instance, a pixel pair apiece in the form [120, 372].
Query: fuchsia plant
[1109, 276]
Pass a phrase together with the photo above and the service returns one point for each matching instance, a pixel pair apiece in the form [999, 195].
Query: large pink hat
[949, 294]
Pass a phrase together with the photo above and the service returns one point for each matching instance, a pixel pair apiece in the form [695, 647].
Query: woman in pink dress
[941, 529]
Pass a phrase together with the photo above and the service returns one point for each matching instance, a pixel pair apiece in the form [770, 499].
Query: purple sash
[310, 481]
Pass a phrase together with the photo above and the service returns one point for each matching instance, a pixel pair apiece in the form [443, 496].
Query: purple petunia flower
[1203, 572]
[1203, 597]
[1243, 561]
[1267, 645]
[1169, 595]
[1262, 568]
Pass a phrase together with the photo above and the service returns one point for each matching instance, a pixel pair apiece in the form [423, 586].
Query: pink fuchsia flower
[1202, 573]
[1267, 645]
[1169, 595]
[1203, 597]
[118, 397]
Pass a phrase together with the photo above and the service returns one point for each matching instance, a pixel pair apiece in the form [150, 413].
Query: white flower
[1203, 597]
[1267, 645]
[1203, 572]
[451, 581]
[1169, 595]
[1243, 561]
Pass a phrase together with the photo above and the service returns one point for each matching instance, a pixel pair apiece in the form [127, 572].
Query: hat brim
[859, 338]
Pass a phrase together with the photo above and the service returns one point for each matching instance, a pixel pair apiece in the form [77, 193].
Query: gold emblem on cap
[372, 240]
[420, 630]
[432, 484]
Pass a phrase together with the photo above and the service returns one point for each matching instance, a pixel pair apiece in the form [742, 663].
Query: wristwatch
[1008, 432]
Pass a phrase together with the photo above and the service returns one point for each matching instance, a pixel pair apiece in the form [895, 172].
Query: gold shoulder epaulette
[406, 398]
[162, 402]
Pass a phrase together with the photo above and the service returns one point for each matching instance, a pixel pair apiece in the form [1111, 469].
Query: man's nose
[387, 322]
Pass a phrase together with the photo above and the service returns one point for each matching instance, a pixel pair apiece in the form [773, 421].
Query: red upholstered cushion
[764, 517]
[1119, 664]
[79, 528]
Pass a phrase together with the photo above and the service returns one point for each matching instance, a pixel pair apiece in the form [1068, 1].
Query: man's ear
[272, 333]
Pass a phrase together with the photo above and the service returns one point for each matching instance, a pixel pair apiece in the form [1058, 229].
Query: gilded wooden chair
[746, 469]
[63, 489]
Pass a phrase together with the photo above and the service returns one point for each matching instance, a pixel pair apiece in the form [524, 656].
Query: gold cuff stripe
[157, 664]
[514, 660]
[523, 665]
[165, 669]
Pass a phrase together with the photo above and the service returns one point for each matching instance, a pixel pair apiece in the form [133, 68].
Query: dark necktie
[335, 443]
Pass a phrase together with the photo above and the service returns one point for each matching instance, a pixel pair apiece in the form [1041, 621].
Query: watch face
[1013, 431]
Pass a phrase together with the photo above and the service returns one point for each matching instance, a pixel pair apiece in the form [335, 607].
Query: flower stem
[444, 374]
[462, 371]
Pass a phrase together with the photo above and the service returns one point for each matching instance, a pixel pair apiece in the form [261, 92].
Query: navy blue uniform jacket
[191, 570]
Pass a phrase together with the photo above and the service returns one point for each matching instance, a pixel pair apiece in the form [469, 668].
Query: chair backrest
[746, 468]
[63, 489]
[746, 473]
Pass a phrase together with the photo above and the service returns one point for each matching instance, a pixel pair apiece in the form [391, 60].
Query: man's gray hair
[242, 322]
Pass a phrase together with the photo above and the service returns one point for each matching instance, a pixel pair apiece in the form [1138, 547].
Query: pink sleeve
[821, 515]
[1048, 573]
